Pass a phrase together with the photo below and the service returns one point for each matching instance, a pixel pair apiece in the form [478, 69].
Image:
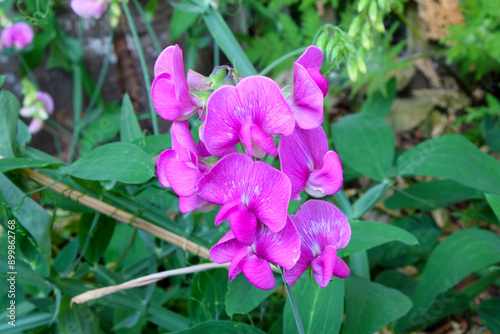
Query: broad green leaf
[102, 130]
[457, 256]
[396, 280]
[180, 22]
[221, 327]
[154, 145]
[369, 199]
[366, 235]
[23, 135]
[123, 162]
[396, 254]
[76, 319]
[366, 144]
[488, 311]
[242, 296]
[428, 196]
[494, 202]
[491, 132]
[379, 104]
[100, 237]
[2, 79]
[321, 309]
[452, 157]
[20, 163]
[66, 256]
[129, 126]
[9, 114]
[25, 323]
[370, 306]
[206, 299]
[33, 218]
[117, 247]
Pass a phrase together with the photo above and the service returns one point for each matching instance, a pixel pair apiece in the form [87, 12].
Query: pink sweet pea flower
[169, 90]
[19, 35]
[89, 9]
[251, 112]
[281, 248]
[309, 89]
[180, 168]
[249, 191]
[323, 230]
[305, 159]
[46, 100]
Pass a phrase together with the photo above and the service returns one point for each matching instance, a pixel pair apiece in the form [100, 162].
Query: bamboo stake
[118, 214]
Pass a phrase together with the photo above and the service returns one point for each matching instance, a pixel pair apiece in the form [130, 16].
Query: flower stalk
[293, 304]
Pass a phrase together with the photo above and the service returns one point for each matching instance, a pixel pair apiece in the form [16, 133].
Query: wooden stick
[118, 214]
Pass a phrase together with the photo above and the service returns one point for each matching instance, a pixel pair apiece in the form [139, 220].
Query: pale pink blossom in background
[89, 9]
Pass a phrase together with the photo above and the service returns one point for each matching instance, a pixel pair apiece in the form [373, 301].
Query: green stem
[293, 304]
[344, 204]
[358, 263]
[281, 59]
[77, 109]
[144, 68]
[150, 30]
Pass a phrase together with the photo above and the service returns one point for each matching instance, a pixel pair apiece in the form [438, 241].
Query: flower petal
[300, 153]
[293, 274]
[234, 267]
[322, 224]
[258, 272]
[35, 125]
[319, 79]
[88, 9]
[197, 81]
[182, 141]
[164, 61]
[226, 248]
[328, 179]
[264, 140]
[243, 224]
[194, 202]
[164, 157]
[306, 101]
[246, 135]
[223, 213]
[182, 176]
[282, 248]
[323, 266]
[164, 98]
[46, 100]
[341, 269]
[311, 58]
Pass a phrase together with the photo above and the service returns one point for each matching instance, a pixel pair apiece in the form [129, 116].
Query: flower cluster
[37, 105]
[18, 35]
[242, 117]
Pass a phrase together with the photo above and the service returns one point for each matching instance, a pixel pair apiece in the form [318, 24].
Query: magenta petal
[197, 81]
[300, 153]
[243, 224]
[319, 79]
[19, 35]
[182, 176]
[179, 79]
[281, 248]
[264, 140]
[202, 150]
[223, 213]
[46, 100]
[323, 266]
[225, 249]
[164, 157]
[194, 202]
[322, 224]
[164, 98]
[328, 179]
[35, 125]
[88, 9]
[164, 61]
[341, 269]
[307, 99]
[234, 267]
[246, 135]
[294, 273]
[182, 141]
[258, 272]
[311, 58]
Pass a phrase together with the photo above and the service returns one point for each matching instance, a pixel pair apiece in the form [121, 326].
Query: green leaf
[129, 126]
[370, 306]
[221, 327]
[123, 162]
[491, 132]
[396, 280]
[379, 104]
[32, 217]
[452, 157]
[366, 235]
[2, 80]
[365, 144]
[154, 145]
[321, 309]
[242, 296]
[494, 202]
[488, 312]
[102, 130]
[206, 299]
[76, 319]
[428, 196]
[66, 256]
[369, 199]
[23, 135]
[32, 321]
[8, 119]
[457, 256]
[181, 21]
[20, 163]
[100, 237]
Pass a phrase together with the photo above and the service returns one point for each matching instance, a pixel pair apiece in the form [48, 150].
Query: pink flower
[323, 230]
[19, 35]
[89, 9]
[46, 100]
[309, 89]
[280, 248]
[251, 113]
[305, 159]
[249, 192]
[169, 90]
[180, 168]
